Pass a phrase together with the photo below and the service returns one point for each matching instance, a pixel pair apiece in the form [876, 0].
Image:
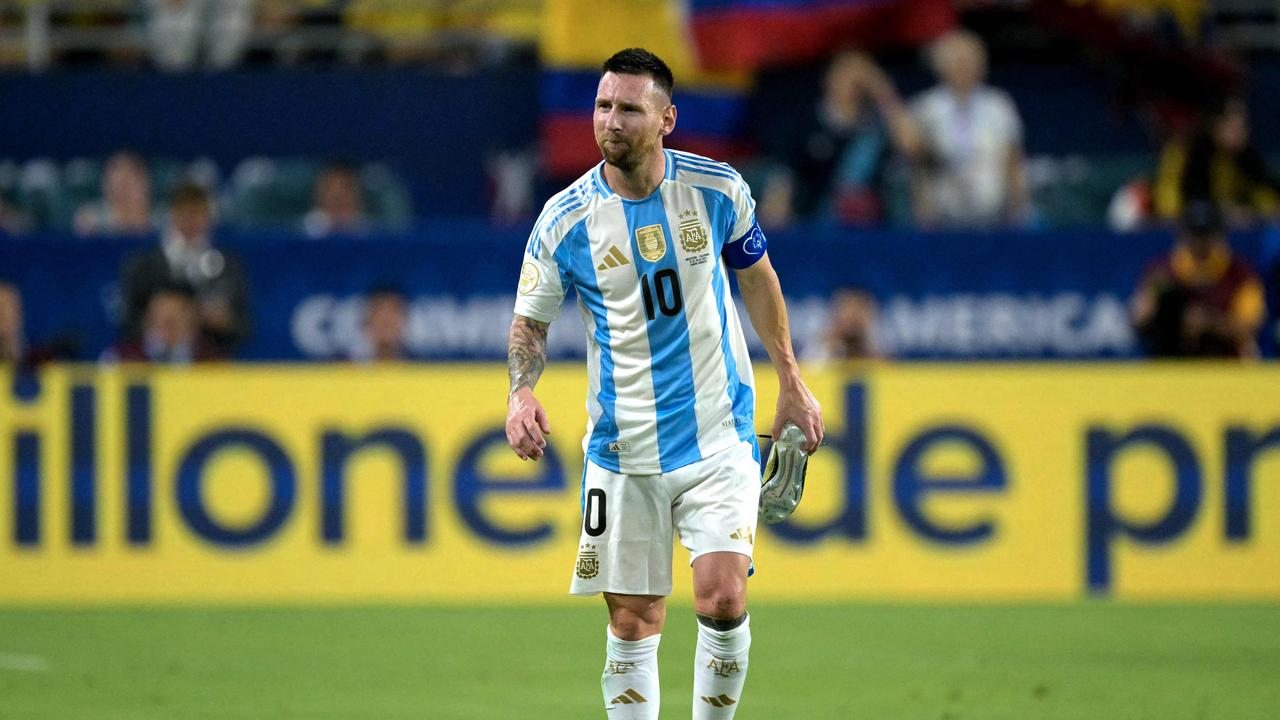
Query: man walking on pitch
[645, 238]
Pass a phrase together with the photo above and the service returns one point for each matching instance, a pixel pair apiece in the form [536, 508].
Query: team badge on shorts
[652, 242]
[588, 565]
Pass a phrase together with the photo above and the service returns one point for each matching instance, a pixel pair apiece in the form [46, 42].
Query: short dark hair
[189, 193]
[638, 61]
[341, 166]
[387, 290]
[1202, 217]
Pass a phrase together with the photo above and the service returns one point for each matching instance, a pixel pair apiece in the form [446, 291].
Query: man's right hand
[527, 425]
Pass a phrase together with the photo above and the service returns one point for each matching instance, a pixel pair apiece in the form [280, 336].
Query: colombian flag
[578, 35]
[750, 34]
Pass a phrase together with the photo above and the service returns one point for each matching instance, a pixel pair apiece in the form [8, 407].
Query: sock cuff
[631, 650]
[726, 643]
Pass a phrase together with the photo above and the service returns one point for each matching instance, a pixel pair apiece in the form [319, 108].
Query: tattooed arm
[526, 352]
[527, 423]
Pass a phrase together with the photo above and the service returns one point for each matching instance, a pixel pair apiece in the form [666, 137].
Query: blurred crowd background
[238, 163]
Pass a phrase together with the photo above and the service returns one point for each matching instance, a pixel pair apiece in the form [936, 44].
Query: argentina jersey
[669, 378]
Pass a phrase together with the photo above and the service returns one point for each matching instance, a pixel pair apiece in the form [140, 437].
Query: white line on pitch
[23, 663]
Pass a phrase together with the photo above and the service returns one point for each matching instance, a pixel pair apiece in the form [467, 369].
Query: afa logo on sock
[723, 668]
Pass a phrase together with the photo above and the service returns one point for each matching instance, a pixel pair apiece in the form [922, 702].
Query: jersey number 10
[666, 285]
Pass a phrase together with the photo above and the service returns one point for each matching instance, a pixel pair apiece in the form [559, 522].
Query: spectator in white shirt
[183, 33]
[970, 170]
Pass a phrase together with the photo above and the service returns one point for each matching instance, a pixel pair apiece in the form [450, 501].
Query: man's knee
[723, 601]
[627, 626]
[635, 617]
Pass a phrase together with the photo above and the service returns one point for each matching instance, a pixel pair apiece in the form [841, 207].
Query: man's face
[1231, 129]
[1201, 245]
[193, 220]
[386, 320]
[338, 194]
[172, 318]
[962, 64]
[631, 118]
[125, 181]
[847, 78]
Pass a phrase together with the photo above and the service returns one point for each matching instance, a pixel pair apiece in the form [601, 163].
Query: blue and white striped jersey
[670, 382]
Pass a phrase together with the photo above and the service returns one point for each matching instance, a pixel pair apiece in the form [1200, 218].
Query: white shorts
[629, 521]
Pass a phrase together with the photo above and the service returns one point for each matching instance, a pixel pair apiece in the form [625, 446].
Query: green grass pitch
[878, 662]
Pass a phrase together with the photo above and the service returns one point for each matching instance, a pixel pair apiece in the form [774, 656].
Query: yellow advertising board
[328, 484]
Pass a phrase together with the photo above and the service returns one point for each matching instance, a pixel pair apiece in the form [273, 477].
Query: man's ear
[668, 120]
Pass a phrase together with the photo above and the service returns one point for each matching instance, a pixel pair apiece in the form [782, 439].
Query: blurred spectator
[1174, 20]
[512, 176]
[385, 320]
[279, 15]
[1220, 164]
[457, 36]
[1200, 300]
[170, 331]
[970, 169]
[337, 204]
[179, 30]
[12, 20]
[404, 29]
[838, 159]
[1130, 207]
[13, 346]
[851, 329]
[294, 32]
[111, 22]
[12, 220]
[125, 207]
[187, 255]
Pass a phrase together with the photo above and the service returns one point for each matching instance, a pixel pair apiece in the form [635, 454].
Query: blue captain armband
[746, 250]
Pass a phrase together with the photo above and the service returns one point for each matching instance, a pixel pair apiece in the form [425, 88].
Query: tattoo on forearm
[526, 352]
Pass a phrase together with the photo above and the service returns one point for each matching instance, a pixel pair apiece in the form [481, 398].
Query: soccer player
[645, 238]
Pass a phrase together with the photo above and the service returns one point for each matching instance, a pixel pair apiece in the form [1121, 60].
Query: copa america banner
[941, 296]
[338, 484]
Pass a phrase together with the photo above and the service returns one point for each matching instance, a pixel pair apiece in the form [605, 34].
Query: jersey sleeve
[540, 291]
[746, 243]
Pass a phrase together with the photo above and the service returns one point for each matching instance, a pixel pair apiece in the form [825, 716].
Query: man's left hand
[798, 405]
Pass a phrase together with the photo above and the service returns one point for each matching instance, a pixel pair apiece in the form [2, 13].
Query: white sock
[720, 671]
[630, 679]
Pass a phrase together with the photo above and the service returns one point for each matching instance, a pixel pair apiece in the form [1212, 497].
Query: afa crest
[693, 236]
[588, 565]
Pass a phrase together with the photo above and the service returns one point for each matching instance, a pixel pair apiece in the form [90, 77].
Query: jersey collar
[601, 185]
[668, 173]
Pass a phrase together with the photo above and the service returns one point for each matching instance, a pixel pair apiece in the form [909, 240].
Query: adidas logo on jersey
[612, 259]
[628, 698]
[722, 701]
